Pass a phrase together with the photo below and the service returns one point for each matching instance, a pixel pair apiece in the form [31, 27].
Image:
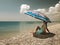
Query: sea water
[8, 29]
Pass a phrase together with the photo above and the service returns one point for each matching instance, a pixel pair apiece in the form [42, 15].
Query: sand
[26, 38]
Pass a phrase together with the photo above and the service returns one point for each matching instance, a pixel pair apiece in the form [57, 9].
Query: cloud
[53, 12]
[55, 9]
[41, 10]
[24, 7]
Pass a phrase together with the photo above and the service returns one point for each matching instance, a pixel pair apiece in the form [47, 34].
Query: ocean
[8, 29]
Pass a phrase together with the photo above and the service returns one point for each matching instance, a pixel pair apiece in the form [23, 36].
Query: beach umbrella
[38, 15]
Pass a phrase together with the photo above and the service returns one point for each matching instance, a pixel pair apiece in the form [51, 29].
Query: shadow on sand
[44, 36]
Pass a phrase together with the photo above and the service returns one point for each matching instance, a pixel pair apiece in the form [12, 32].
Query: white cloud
[53, 12]
[24, 7]
[41, 10]
[55, 9]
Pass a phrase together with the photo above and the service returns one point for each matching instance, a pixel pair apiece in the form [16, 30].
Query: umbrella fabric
[38, 15]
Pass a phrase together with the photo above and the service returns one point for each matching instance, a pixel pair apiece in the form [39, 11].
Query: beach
[26, 38]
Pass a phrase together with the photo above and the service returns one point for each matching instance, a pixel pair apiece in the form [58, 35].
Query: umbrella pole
[44, 26]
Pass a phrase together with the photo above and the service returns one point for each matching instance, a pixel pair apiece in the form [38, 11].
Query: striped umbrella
[38, 15]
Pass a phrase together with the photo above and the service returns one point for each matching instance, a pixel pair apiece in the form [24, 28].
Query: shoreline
[26, 38]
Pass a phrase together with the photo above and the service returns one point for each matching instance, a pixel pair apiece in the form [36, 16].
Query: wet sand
[26, 38]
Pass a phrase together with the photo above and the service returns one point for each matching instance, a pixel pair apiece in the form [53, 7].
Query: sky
[10, 9]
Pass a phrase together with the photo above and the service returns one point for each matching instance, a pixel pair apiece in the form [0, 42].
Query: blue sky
[9, 9]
